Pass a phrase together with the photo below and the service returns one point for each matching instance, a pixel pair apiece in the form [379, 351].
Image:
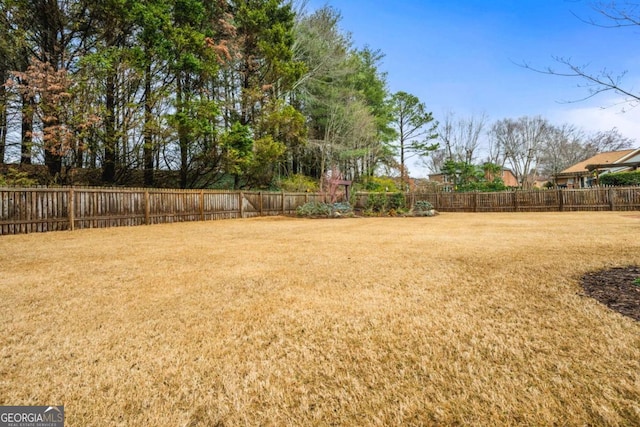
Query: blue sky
[460, 56]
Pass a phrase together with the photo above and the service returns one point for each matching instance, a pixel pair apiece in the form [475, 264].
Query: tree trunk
[148, 130]
[52, 148]
[53, 161]
[27, 130]
[3, 117]
[109, 164]
[403, 171]
[183, 137]
[79, 154]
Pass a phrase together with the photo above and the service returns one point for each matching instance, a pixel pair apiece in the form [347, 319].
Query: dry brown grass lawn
[461, 319]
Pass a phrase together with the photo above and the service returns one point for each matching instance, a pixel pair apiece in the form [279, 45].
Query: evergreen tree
[415, 128]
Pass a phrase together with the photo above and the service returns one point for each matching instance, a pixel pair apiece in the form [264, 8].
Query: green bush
[621, 179]
[380, 184]
[341, 208]
[298, 183]
[376, 202]
[314, 209]
[15, 178]
[423, 208]
[396, 201]
[384, 203]
[483, 186]
[319, 209]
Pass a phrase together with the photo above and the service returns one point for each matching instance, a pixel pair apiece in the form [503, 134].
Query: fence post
[241, 202]
[72, 210]
[515, 200]
[283, 202]
[560, 200]
[475, 202]
[260, 197]
[147, 209]
[612, 203]
[201, 205]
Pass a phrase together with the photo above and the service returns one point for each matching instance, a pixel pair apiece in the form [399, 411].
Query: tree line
[243, 90]
[238, 92]
[533, 148]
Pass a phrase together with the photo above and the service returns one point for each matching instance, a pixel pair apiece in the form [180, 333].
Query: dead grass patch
[460, 319]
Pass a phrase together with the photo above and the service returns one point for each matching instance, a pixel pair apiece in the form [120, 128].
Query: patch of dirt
[616, 289]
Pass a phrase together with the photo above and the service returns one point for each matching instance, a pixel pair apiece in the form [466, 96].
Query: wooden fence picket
[28, 210]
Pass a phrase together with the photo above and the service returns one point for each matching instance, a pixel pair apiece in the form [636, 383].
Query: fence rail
[30, 210]
[592, 199]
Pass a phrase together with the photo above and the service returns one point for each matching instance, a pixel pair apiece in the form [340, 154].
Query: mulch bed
[616, 289]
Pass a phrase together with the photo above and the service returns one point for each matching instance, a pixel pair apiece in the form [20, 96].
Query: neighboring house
[508, 178]
[438, 177]
[587, 173]
[540, 182]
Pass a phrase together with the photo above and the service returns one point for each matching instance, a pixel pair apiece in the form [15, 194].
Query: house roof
[610, 157]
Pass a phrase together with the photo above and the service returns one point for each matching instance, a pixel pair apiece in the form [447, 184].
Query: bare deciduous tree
[520, 142]
[460, 138]
[611, 140]
[563, 147]
[566, 145]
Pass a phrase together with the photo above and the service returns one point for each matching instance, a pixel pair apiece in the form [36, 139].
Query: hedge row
[621, 179]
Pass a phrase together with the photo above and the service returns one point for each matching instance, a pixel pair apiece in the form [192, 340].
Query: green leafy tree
[264, 42]
[114, 25]
[193, 63]
[153, 21]
[283, 123]
[46, 35]
[461, 172]
[237, 145]
[469, 177]
[371, 84]
[343, 96]
[415, 128]
[266, 151]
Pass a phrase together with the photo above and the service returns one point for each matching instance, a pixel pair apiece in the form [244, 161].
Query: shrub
[319, 209]
[423, 208]
[314, 209]
[620, 179]
[298, 183]
[340, 209]
[14, 177]
[376, 202]
[396, 201]
[484, 186]
[380, 184]
[384, 203]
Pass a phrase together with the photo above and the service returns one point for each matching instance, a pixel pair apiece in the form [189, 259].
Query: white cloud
[594, 119]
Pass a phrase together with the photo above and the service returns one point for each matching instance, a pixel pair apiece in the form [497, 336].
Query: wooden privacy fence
[563, 200]
[29, 210]
[592, 199]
